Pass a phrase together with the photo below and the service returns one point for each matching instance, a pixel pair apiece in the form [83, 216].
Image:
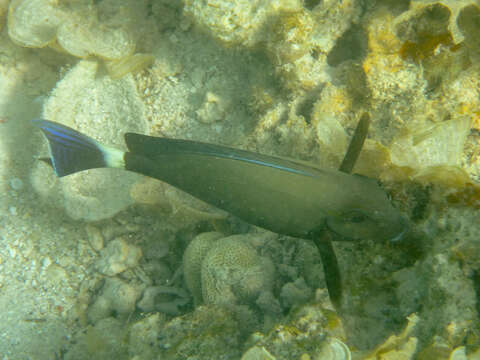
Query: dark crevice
[352, 45]
[305, 108]
[310, 4]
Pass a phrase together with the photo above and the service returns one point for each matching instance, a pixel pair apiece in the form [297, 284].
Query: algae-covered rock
[143, 336]
[239, 22]
[311, 332]
[209, 332]
[469, 23]
[423, 15]
[117, 297]
[118, 256]
[105, 341]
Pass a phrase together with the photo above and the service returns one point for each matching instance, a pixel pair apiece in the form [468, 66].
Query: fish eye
[355, 216]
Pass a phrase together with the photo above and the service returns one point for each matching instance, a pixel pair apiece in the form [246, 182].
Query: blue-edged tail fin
[71, 151]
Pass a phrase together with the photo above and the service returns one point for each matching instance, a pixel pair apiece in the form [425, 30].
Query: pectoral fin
[331, 270]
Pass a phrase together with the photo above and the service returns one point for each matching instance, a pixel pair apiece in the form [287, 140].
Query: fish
[282, 195]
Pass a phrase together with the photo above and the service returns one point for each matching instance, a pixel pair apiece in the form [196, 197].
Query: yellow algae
[426, 46]
[129, 64]
[335, 101]
[401, 346]
[381, 37]
[467, 196]
[290, 36]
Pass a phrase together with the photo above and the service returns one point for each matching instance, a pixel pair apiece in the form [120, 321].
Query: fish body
[283, 196]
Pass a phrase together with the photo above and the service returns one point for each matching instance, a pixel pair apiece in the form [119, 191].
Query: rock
[237, 23]
[95, 237]
[104, 340]
[165, 299]
[209, 332]
[144, 335]
[116, 298]
[117, 257]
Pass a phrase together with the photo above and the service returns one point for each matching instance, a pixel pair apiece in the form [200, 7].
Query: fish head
[369, 214]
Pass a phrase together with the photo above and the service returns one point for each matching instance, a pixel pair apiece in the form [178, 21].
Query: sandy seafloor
[77, 255]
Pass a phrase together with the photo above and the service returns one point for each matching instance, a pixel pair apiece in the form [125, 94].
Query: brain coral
[192, 262]
[226, 270]
[233, 272]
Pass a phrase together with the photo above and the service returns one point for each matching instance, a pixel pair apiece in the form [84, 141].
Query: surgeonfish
[277, 194]
[281, 195]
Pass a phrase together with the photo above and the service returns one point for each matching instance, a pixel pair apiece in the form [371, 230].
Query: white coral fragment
[212, 110]
[39, 23]
[434, 145]
[118, 256]
[81, 39]
[334, 349]
[33, 23]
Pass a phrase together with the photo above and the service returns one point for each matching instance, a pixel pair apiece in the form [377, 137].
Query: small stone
[56, 274]
[212, 110]
[117, 297]
[100, 309]
[118, 256]
[143, 334]
[95, 237]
